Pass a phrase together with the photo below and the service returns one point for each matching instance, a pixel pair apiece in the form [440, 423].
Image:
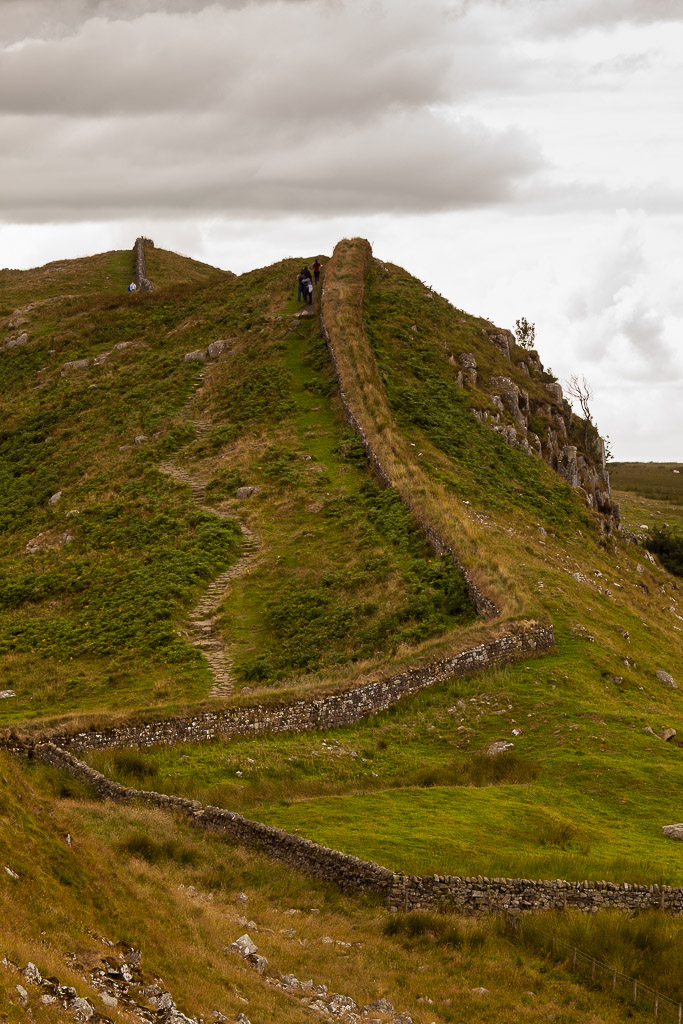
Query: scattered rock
[216, 348]
[31, 973]
[82, 1008]
[247, 492]
[243, 898]
[47, 540]
[379, 1006]
[15, 876]
[479, 991]
[199, 354]
[499, 747]
[141, 439]
[667, 734]
[239, 1019]
[75, 364]
[244, 946]
[666, 679]
[18, 341]
[55, 498]
[673, 831]
[258, 962]
[23, 995]
[6, 693]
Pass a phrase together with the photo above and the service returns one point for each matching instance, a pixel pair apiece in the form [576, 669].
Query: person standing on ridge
[316, 270]
[302, 290]
[307, 285]
[132, 287]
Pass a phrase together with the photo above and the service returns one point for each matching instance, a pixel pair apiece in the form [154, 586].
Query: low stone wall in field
[329, 712]
[401, 892]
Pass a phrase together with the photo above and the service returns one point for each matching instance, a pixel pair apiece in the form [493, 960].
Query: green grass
[344, 573]
[656, 480]
[413, 339]
[91, 619]
[136, 875]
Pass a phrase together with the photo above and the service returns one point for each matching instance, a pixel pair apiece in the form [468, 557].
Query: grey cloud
[399, 162]
[213, 112]
[616, 307]
[239, 59]
[54, 19]
[559, 16]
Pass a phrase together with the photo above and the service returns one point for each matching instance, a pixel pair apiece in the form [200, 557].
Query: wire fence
[601, 975]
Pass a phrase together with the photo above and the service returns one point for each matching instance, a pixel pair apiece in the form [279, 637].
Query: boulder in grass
[216, 348]
[499, 747]
[244, 946]
[673, 831]
[17, 342]
[666, 679]
[199, 355]
[258, 962]
[247, 492]
[667, 734]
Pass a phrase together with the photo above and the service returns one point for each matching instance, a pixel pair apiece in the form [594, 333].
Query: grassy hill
[97, 589]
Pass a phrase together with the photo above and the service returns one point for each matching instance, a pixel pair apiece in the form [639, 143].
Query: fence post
[635, 991]
[656, 1005]
[614, 979]
[554, 947]
[680, 1013]
[592, 969]
[574, 960]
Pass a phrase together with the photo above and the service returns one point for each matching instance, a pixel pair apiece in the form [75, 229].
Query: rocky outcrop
[583, 467]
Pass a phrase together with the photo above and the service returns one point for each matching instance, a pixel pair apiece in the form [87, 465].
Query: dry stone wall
[141, 279]
[401, 892]
[329, 712]
[483, 604]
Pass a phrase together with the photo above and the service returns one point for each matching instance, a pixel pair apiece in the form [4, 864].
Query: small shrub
[504, 767]
[140, 845]
[557, 833]
[134, 764]
[668, 546]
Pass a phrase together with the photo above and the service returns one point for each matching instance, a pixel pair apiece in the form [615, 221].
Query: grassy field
[91, 621]
[662, 481]
[562, 803]
[134, 875]
[342, 583]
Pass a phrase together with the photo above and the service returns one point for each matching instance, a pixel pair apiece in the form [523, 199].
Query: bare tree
[578, 389]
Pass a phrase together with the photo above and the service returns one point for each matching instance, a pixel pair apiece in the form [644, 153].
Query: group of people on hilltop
[305, 281]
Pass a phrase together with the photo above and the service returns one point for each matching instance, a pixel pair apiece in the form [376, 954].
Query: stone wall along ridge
[484, 605]
[470, 895]
[141, 279]
[320, 713]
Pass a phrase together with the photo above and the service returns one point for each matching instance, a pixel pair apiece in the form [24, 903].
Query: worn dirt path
[202, 620]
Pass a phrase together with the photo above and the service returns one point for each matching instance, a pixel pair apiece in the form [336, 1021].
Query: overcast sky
[521, 156]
